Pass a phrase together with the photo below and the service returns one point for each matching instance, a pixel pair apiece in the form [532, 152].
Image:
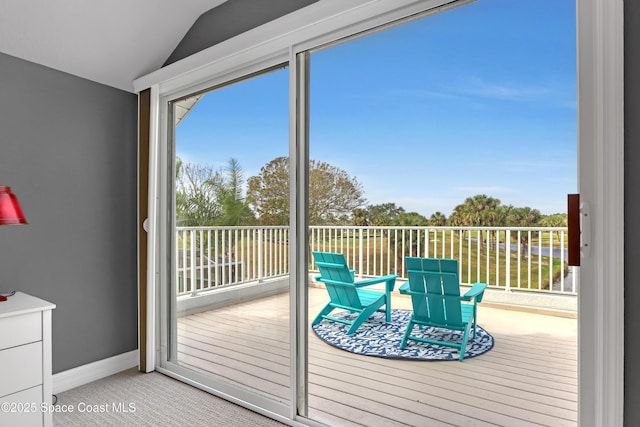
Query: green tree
[411, 219]
[332, 193]
[408, 219]
[208, 197]
[437, 219]
[554, 220]
[360, 217]
[268, 193]
[196, 202]
[477, 211]
[229, 195]
[502, 215]
[523, 217]
[384, 214]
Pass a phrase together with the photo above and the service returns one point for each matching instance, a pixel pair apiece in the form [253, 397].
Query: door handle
[573, 224]
[585, 228]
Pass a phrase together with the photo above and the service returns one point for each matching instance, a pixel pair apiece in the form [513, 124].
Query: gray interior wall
[68, 149]
[230, 19]
[632, 208]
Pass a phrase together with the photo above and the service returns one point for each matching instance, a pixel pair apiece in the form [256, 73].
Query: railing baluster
[452, 238]
[389, 251]
[192, 261]
[243, 254]
[507, 257]
[403, 252]
[435, 245]
[361, 253]
[561, 260]
[375, 250]
[529, 257]
[519, 254]
[539, 263]
[550, 264]
[395, 251]
[498, 258]
[468, 257]
[201, 258]
[479, 243]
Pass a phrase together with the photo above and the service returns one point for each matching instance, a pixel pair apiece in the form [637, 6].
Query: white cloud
[474, 86]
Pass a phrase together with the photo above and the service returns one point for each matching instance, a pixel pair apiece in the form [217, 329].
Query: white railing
[537, 256]
[221, 256]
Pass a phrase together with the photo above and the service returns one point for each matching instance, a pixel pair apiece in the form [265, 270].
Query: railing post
[507, 260]
[361, 254]
[216, 256]
[192, 257]
[259, 255]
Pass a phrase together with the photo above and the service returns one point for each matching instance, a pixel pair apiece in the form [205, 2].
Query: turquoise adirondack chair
[345, 293]
[434, 288]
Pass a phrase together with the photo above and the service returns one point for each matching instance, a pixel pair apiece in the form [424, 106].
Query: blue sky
[480, 99]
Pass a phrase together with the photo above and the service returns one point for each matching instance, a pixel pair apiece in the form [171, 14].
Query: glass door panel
[229, 290]
[434, 138]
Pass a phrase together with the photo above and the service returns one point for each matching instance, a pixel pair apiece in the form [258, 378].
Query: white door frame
[601, 184]
[601, 159]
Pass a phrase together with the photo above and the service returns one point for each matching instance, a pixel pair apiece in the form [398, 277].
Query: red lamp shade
[10, 211]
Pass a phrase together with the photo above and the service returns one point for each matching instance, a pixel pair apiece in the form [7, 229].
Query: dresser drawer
[21, 368]
[24, 408]
[21, 329]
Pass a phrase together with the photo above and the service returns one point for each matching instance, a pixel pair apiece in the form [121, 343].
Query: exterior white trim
[298, 224]
[311, 26]
[152, 232]
[76, 377]
[601, 181]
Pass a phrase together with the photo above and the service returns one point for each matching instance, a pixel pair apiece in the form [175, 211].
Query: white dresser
[25, 361]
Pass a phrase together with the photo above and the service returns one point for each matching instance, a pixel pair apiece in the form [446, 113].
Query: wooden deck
[529, 377]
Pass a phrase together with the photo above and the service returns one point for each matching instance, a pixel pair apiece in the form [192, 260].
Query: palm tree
[235, 210]
[360, 217]
[437, 219]
[524, 217]
[554, 220]
[477, 211]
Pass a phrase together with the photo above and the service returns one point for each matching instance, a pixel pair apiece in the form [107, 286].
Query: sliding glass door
[392, 120]
[227, 294]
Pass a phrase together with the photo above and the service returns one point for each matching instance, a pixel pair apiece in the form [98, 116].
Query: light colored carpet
[131, 398]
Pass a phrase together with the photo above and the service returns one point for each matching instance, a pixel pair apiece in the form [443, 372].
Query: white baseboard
[75, 377]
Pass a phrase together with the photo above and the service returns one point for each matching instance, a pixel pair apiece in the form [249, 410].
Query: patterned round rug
[375, 337]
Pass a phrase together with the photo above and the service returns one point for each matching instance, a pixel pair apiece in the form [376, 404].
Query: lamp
[10, 211]
[10, 214]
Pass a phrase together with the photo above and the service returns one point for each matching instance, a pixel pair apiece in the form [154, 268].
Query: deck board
[529, 378]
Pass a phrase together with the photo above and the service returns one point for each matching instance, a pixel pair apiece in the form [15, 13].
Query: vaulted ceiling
[110, 42]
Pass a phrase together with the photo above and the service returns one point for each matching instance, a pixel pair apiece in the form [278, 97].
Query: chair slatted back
[443, 296]
[337, 278]
[435, 288]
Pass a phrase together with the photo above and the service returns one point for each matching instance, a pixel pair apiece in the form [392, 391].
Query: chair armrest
[390, 279]
[319, 277]
[476, 291]
[405, 289]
